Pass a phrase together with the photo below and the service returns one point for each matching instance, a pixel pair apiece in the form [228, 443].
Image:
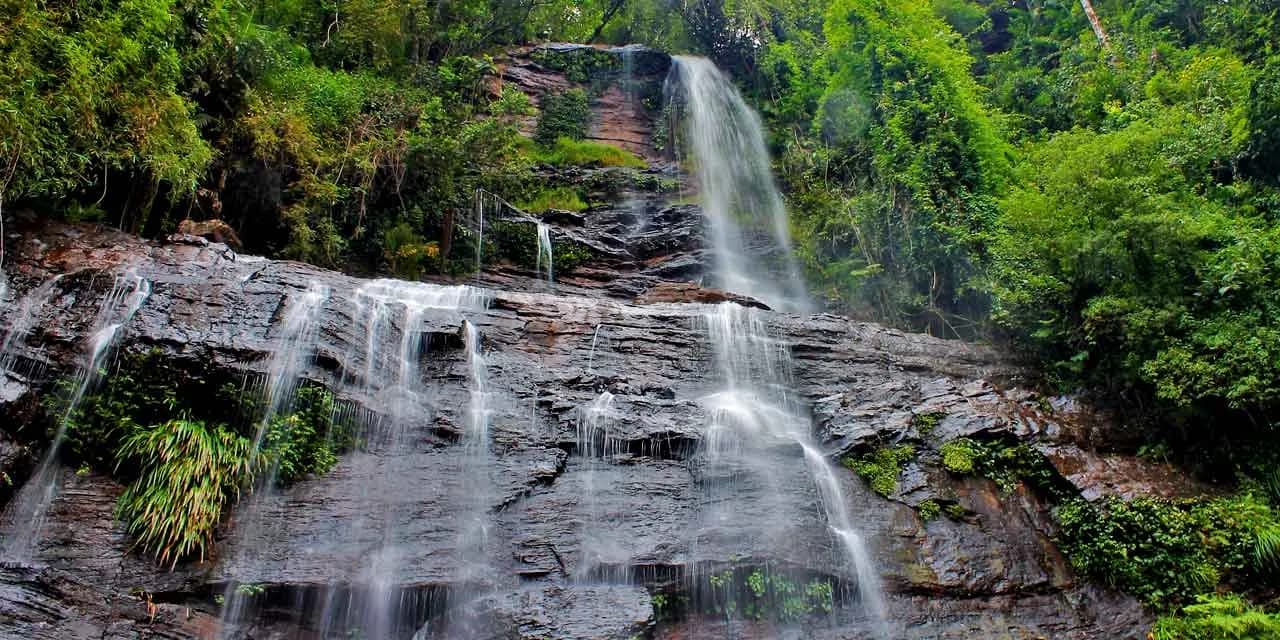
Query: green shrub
[188, 472]
[1167, 552]
[882, 467]
[1003, 463]
[929, 510]
[407, 253]
[564, 115]
[1218, 617]
[140, 390]
[761, 594]
[308, 439]
[514, 241]
[958, 455]
[925, 423]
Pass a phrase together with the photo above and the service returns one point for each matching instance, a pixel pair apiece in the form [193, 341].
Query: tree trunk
[1096, 24]
[446, 238]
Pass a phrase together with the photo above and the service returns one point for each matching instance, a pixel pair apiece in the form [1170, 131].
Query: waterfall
[544, 252]
[743, 209]
[596, 445]
[26, 514]
[294, 351]
[390, 321]
[753, 417]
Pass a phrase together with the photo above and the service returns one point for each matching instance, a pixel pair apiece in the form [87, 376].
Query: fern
[1266, 547]
[1226, 617]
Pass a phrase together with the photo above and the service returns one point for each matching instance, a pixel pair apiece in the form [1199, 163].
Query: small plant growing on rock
[925, 423]
[1003, 463]
[188, 473]
[929, 510]
[882, 467]
[958, 455]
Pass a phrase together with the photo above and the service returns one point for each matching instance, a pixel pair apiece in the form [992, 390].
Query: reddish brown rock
[689, 292]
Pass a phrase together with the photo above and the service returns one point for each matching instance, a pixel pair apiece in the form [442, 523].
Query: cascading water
[391, 319]
[755, 422]
[25, 516]
[295, 349]
[544, 253]
[596, 446]
[740, 200]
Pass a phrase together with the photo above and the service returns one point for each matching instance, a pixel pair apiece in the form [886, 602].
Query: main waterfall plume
[744, 211]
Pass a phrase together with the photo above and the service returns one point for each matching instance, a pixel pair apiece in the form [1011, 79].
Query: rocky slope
[620, 323]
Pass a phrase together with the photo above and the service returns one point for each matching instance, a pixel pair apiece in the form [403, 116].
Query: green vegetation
[929, 510]
[1006, 464]
[881, 467]
[569, 152]
[925, 423]
[315, 131]
[184, 446]
[1215, 617]
[188, 472]
[559, 197]
[762, 594]
[564, 115]
[308, 439]
[1168, 552]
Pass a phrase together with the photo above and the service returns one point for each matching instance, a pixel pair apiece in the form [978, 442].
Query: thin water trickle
[26, 514]
[295, 347]
[544, 253]
[591, 358]
[740, 199]
[24, 320]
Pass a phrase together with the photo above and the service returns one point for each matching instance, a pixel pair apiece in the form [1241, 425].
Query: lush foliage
[184, 444]
[567, 151]
[1169, 552]
[307, 440]
[1006, 464]
[564, 115]
[188, 473]
[1218, 618]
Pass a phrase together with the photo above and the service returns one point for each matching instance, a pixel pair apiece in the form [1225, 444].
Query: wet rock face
[649, 509]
